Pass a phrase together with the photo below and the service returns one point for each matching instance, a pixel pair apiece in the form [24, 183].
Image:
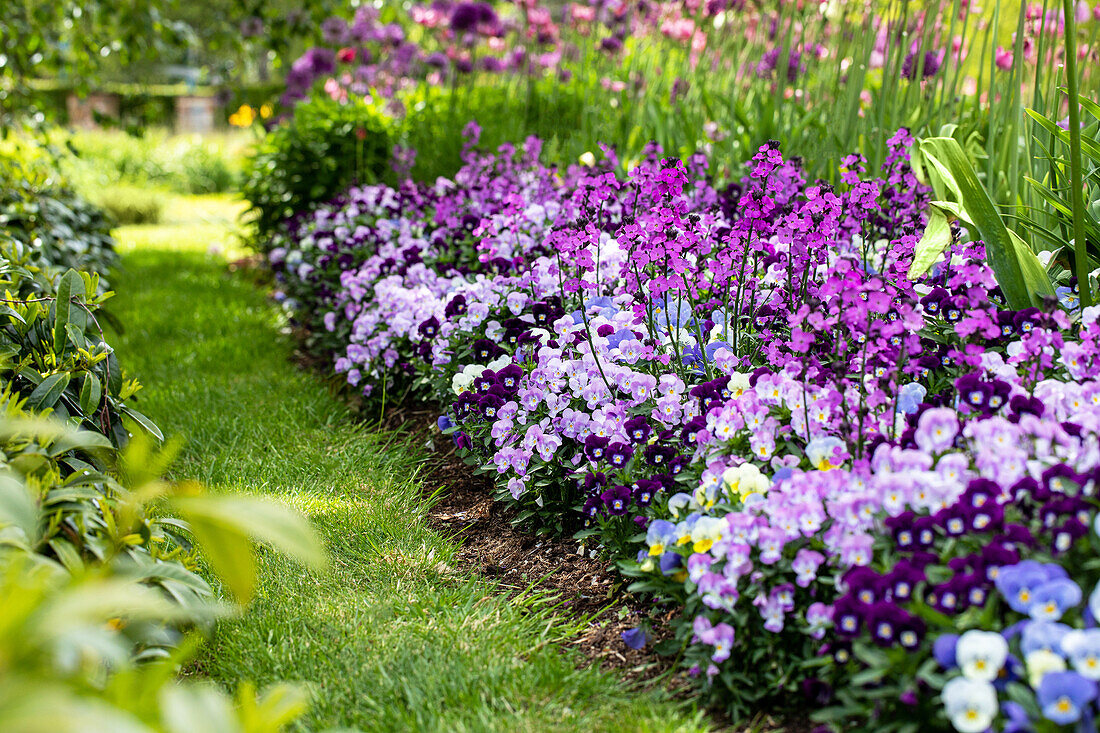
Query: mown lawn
[394, 637]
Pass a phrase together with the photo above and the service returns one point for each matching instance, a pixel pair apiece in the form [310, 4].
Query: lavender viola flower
[936, 430]
[1065, 696]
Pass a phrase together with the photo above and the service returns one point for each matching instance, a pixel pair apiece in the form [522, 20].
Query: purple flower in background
[933, 60]
[468, 16]
[252, 26]
[334, 30]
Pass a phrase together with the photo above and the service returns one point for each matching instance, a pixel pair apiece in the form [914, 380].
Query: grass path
[393, 638]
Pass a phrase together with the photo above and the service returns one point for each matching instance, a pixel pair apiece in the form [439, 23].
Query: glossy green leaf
[48, 392]
[1022, 284]
[66, 289]
[936, 238]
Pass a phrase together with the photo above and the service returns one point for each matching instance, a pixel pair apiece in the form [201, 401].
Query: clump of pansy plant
[736, 393]
[1035, 664]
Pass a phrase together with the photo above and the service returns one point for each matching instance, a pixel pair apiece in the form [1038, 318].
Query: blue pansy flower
[1063, 696]
[634, 638]
[910, 396]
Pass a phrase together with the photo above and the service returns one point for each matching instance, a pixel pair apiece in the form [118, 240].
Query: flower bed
[739, 396]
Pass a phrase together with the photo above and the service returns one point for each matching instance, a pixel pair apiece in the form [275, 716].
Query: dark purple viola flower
[955, 519]
[864, 584]
[644, 491]
[1027, 319]
[592, 507]
[593, 483]
[485, 350]
[817, 691]
[1019, 534]
[617, 500]
[1061, 479]
[618, 454]
[1067, 534]
[635, 638]
[974, 391]
[659, 455]
[910, 631]
[848, 614]
[989, 518]
[595, 447]
[638, 429]
[429, 328]
[924, 533]
[509, 377]
[611, 44]
[883, 620]
[545, 314]
[485, 382]
[488, 406]
[995, 556]
[903, 579]
[462, 441]
[456, 307]
[678, 464]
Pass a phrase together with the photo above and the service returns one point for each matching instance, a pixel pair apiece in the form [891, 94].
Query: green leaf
[63, 306]
[225, 526]
[148, 425]
[1088, 147]
[229, 552]
[91, 392]
[85, 440]
[18, 508]
[1021, 283]
[936, 238]
[48, 392]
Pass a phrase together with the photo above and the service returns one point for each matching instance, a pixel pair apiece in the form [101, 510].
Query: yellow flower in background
[266, 110]
[243, 117]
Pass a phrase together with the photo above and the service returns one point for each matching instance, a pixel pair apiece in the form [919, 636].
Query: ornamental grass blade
[1018, 271]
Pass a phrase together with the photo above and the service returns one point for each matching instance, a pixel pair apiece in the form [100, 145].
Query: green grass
[394, 637]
